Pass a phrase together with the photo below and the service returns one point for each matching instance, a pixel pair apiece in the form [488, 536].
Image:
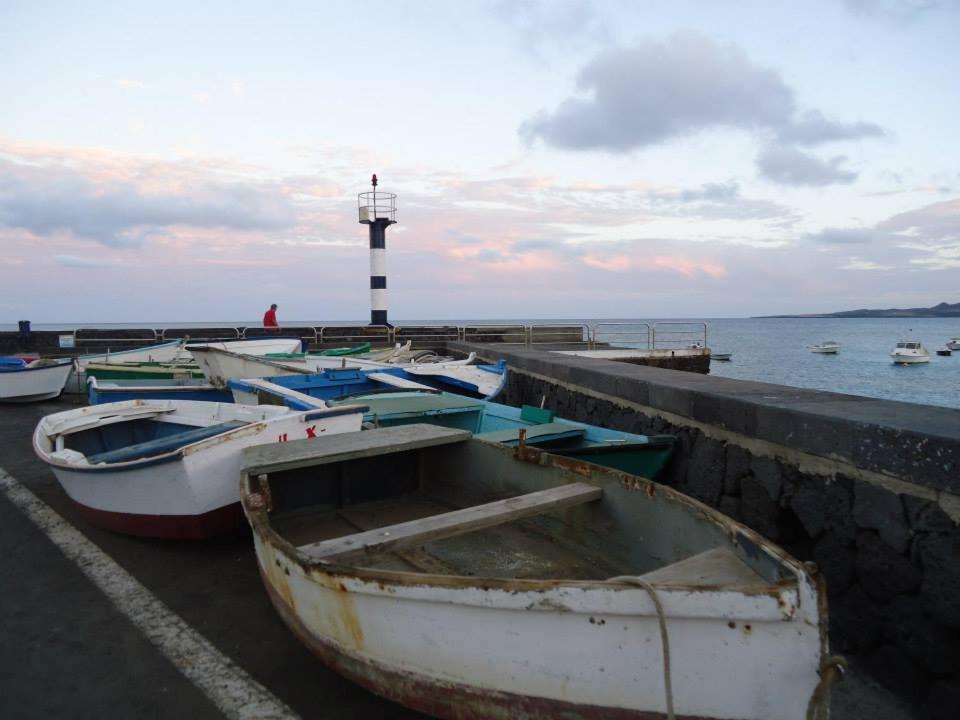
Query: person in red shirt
[270, 319]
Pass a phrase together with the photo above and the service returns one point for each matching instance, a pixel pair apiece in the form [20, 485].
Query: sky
[183, 161]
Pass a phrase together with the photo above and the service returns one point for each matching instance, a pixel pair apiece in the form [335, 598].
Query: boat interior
[465, 507]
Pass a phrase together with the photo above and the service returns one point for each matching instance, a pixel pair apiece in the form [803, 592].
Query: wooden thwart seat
[457, 522]
[165, 444]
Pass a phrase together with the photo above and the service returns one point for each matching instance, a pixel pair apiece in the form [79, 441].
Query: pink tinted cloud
[689, 268]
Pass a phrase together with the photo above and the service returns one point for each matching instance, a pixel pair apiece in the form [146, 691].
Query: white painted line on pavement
[233, 691]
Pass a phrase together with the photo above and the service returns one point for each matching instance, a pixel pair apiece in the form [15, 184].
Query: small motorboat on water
[168, 468]
[34, 380]
[954, 343]
[827, 347]
[722, 357]
[910, 352]
[461, 578]
[944, 351]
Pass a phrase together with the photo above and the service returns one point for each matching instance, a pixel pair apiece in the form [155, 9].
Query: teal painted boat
[635, 454]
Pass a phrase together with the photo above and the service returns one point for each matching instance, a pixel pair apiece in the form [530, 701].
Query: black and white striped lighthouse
[378, 210]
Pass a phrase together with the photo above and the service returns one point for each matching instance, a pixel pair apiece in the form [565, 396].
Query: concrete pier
[813, 472]
[868, 489]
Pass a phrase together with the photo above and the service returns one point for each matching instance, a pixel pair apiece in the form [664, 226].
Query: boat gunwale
[250, 428]
[258, 516]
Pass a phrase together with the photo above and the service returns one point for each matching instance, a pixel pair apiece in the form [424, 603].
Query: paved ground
[68, 652]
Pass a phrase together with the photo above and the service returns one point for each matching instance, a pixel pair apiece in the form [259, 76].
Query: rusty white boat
[466, 579]
[168, 468]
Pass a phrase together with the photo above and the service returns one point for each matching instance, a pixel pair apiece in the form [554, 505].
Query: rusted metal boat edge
[407, 689]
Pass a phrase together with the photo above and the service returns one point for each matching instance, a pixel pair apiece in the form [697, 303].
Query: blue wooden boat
[341, 383]
[106, 391]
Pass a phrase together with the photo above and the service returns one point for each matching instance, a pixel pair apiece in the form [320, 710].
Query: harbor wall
[868, 489]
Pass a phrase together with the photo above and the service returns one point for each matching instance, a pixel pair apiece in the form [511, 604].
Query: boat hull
[457, 652]
[33, 384]
[188, 493]
[166, 527]
[910, 359]
[442, 700]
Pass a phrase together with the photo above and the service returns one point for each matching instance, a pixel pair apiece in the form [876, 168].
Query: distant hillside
[941, 310]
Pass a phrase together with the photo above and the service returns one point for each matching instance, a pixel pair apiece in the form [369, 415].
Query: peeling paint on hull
[445, 700]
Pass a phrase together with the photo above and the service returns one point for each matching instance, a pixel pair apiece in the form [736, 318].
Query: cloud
[122, 209]
[812, 128]
[83, 262]
[896, 10]
[543, 24]
[843, 236]
[856, 263]
[125, 84]
[719, 201]
[789, 166]
[934, 223]
[655, 91]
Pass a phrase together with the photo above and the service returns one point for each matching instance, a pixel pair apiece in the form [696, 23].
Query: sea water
[774, 350]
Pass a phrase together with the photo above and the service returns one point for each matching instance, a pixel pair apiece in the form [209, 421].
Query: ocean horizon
[773, 350]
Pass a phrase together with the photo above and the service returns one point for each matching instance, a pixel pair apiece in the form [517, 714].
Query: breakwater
[868, 489]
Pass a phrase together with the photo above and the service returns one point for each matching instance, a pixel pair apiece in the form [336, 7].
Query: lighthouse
[378, 210]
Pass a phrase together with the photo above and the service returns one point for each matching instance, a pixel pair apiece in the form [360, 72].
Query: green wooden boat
[143, 371]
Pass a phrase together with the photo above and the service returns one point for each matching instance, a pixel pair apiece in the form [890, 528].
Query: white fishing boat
[954, 343]
[174, 351]
[827, 347]
[910, 352]
[168, 468]
[465, 579]
[41, 379]
[220, 366]
[167, 352]
[482, 381]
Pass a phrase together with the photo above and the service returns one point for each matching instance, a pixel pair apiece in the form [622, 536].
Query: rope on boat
[831, 670]
[664, 639]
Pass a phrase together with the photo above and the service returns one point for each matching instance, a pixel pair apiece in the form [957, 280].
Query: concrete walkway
[69, 652]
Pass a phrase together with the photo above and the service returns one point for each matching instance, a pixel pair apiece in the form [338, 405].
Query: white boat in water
[910, 352]
[827, 347]
[954, 343]
[220, 365]
[476, 580]
[168, 468]
[42, 379]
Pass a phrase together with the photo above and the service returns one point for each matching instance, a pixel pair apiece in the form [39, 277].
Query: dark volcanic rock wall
[846, 488]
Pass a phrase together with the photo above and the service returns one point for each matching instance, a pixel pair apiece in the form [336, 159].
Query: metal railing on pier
[661, 335]
[676, 335]
[636, 336]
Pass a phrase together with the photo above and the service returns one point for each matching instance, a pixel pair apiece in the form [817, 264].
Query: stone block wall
[890, 551]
